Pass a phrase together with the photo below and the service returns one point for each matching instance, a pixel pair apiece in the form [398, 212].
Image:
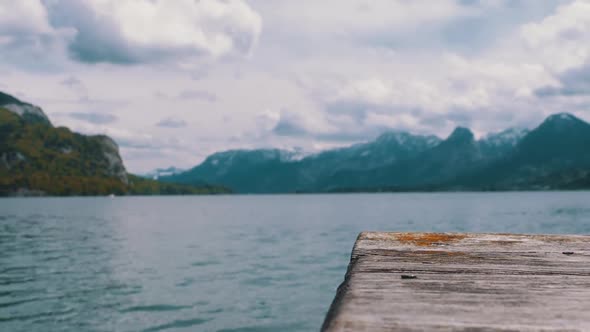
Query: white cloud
[157, 30]
[24, 17]
[337, 17]
[323, 73]
[183, 32]
[561, 41]
[26, 36]
[213, 27]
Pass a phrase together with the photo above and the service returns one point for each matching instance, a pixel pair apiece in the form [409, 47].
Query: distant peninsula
[38, 159]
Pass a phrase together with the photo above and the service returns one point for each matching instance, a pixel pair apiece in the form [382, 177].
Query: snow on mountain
[509, 137]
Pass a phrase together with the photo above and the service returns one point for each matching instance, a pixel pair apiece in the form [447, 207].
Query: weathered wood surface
[464, 282]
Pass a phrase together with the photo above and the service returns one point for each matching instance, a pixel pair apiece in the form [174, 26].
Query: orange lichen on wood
[428, 239]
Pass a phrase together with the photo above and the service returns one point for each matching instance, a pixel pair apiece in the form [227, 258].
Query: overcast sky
[174, 81]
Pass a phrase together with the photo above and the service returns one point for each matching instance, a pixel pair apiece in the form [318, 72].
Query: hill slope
[35, 156]
[39, 159]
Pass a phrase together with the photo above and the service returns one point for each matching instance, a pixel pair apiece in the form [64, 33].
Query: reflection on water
[242, 263]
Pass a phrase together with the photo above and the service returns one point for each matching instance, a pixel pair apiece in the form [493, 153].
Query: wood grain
[464, 282]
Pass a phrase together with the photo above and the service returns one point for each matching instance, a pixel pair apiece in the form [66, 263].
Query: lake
[222, 263]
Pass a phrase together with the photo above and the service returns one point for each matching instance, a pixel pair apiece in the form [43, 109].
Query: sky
[175, 81]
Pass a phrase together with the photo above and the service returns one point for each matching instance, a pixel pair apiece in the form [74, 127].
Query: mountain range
[37, 158]
[555, 155]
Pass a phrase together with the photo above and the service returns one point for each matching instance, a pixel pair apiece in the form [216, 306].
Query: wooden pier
[464, 282]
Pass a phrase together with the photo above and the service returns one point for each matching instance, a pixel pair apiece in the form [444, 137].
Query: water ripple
[233, 264]
[155, 307]
[36, 316]
[177, 324]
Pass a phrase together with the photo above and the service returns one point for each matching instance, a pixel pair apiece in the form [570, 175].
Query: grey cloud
[71, 82]
[95, 118]
[171, 123]
[349, 137]
[100, 104]
[135, 144]
[468, 2]
[466, 34]
[455, 117]
[99, 37]
[199, 74]
[31, 50]
[160, 95]
[198, 95]
[289, 126]
[571, 34]
[75, 85]
[426, 122]
[358, 109]
[355, 109]
[574, 82]
[149, 144]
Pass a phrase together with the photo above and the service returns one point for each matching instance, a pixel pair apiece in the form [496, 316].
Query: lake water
[225, 263]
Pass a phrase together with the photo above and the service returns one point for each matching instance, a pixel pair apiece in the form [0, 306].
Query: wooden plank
[464, 282]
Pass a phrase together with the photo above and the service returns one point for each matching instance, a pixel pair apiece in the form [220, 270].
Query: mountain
[29, 113]
[431, 166]
[388, 148]
[561, 140]
[557, 149]
[498, 144]
[457, 154]
[255, 171]
[275, 171]
[554, 155]
[37, 158]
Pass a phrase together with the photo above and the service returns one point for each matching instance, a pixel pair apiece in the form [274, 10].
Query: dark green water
[232, 263]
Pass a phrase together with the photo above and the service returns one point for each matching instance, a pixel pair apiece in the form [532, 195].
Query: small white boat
[112, 196]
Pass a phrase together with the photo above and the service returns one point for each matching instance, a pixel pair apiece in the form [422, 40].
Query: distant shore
[37, 193]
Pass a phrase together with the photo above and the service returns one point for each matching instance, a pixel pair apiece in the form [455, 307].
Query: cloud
[125, 32]
[334, 128]
[369, 16]
[198, 95]
[26, 36]
[139, 31]
[465, 26]
[94, 118]
[319, 79]
[560, 41]
[171, 123]
[98, 36]
[199, 73]
[573, 82]
[26, 17]
[485, 94]
[291, 125]
[76, 85]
